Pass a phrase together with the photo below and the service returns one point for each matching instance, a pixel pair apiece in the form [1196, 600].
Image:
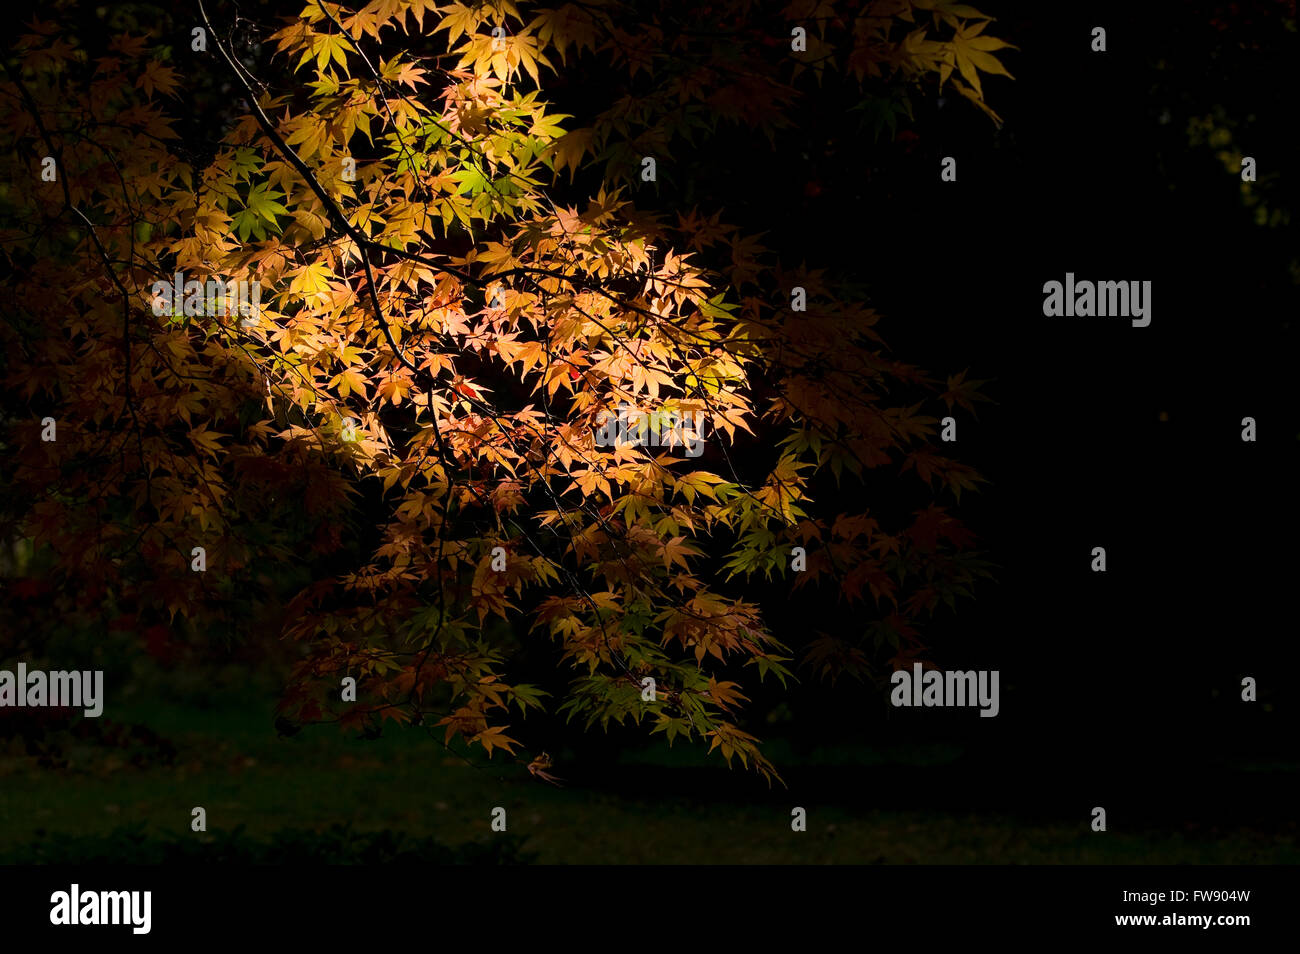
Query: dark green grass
[404, 796]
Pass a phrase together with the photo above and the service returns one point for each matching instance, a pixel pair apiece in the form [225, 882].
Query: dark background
[1119, 689]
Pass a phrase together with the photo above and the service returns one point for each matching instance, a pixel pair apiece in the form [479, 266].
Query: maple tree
[459, 285]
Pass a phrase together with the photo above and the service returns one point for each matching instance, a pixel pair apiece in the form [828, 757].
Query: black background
[1122, 688]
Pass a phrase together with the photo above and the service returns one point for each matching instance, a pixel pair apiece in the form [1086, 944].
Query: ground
[656, 806]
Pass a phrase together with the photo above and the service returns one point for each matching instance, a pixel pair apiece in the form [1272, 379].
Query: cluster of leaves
[731, 62]
[441, 333]
[1214, 131]
[1204, 109]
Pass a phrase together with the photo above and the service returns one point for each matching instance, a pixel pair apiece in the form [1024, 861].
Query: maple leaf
[495, 738]
[158, 77]
[972, 54]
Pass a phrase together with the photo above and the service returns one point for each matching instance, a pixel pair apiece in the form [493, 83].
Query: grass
[231, 762]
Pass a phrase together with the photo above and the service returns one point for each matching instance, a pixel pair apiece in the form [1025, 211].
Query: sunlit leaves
[258, 218]
[408, 417]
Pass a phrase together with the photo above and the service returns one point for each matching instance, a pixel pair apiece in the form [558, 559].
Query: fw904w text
[1156, 897]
